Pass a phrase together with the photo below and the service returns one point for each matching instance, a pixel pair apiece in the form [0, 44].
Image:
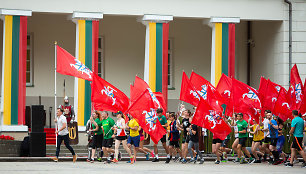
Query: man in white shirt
[267, 139]
[62, 134]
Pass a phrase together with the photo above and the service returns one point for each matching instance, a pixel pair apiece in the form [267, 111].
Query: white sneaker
[296, 161]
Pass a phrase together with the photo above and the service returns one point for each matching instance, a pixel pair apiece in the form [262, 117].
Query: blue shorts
[280, 143]
[134, 140]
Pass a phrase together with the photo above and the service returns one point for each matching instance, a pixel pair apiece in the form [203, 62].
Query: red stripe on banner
[22, 70]
[95, 40]
[231, 50]
[165, 62]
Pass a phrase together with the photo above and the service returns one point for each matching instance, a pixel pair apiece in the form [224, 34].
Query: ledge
[15, 12]
[14, 128]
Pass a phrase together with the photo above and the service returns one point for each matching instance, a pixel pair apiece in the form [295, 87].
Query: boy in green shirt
[242, 135]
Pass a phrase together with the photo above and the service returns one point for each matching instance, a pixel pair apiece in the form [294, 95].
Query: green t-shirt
[242, 125]
[298, 123]
[107, 125]
[99, 123]
[163, 120]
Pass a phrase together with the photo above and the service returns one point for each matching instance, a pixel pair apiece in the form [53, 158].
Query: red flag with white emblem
[295, 93]
[107, 97]
[66, 64]
[188, 92]
[208, 118]
[282, 107]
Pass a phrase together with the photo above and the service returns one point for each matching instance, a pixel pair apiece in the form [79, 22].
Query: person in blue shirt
[273, 131]
[297, 128]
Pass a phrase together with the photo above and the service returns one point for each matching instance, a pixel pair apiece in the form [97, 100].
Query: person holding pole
[62, 132]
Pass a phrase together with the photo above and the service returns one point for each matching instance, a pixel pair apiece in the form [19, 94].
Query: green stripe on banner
[225, 48]
[15, 70]
[88, 63]
[159, 57]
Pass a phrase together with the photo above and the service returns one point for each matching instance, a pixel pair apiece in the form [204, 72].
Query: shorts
[163, 139]
[186, 139]
[242, 141]
[174, 144]
[134, 140]
[297, 143]
[142, 138]
[121, 138]
[225, 142]
[260, 141]
[280, 143]
[267, 140]
[273, 141]
[97, 141]
[108, 143]
[215, 141]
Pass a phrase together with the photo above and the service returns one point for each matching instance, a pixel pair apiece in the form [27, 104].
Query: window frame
[171, 70]
[31, 48]
[102, 73]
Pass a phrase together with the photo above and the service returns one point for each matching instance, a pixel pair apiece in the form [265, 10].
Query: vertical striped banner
[87, 53]
[156, 61]
[223, 51]
[14, 70]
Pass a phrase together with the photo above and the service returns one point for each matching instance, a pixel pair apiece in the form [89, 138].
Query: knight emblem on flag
[203, 92]
[298, 92]
[109, 91]
[81, 68]
[150, 118]
[251, 95]
[195, 94]
[214, 118]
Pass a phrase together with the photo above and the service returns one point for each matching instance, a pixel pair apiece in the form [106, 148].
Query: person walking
[62, 134]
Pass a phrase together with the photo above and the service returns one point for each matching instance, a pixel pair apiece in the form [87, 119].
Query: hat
[66, 97]
[119, 112]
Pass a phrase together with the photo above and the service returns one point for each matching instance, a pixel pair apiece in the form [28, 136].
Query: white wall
[245, 9]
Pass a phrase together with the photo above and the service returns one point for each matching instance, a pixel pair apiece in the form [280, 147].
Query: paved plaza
[143, 167]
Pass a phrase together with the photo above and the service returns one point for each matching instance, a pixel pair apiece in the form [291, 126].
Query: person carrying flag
[163, 121]
[174, 137]
[107, 124]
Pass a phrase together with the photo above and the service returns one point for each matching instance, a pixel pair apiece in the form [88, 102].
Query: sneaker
[88, 160]
[155, 160]
[177, 159]
[236, 160]
[147, 156]
[167, 160]
[257, 161]
[217, 162]
[112, 156]
[224, 160]
[55, 159]
[114, 160]
[192, 160]
[132, 160]
[251, 161]
[184, 161]
[277, 162]
[232, 152]
[92, 160]
[108, 161]
[99, 159]
[289, 165]
[201, 161]
[243, 161]
[129, 161]
[303, 165]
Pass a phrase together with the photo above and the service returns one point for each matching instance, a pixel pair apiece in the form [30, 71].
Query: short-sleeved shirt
[133, 123]
[242, 125]
[298, 123]
[186, 124]
[266, 125]
[163, 120]
[107, 125]
[259, 135]
[99, 123]
[272, 130]
[194, 137]
[60, 122]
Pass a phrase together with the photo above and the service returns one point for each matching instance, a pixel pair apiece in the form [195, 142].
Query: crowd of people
[182, 139]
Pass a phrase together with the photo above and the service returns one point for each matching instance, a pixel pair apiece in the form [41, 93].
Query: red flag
[282, 107]
[207, 91]
[262, 89]
[295, 92]
[303, 105]
[66, 64]
[224, 87]
[105, 96]
[208, 118]
[188, 92]
[270, 96]
[143, 109]
[162, 101]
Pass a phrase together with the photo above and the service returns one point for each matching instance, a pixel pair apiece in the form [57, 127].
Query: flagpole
[55, 107]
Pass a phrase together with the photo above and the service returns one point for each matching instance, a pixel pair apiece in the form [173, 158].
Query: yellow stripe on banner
[152, 56]
[218, 52]
[81, 82]
[7, 70]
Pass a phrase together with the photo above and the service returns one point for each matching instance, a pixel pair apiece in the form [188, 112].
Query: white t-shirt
[266, 125]
[236, 130]
[60, 121]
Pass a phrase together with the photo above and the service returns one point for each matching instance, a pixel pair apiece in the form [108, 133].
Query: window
[29, 62]
[170, 64]
[101, 57]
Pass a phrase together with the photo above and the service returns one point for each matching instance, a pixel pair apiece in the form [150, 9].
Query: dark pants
[60, 138]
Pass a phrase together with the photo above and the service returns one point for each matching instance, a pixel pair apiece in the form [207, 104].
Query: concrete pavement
[143, 167]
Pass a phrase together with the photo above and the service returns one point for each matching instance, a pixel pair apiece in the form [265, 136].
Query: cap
[66, 97]
[119, 112]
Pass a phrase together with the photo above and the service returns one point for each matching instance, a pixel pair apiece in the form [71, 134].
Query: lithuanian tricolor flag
[156, 63]
[87, 53]
[14, 70]
[223, 51]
